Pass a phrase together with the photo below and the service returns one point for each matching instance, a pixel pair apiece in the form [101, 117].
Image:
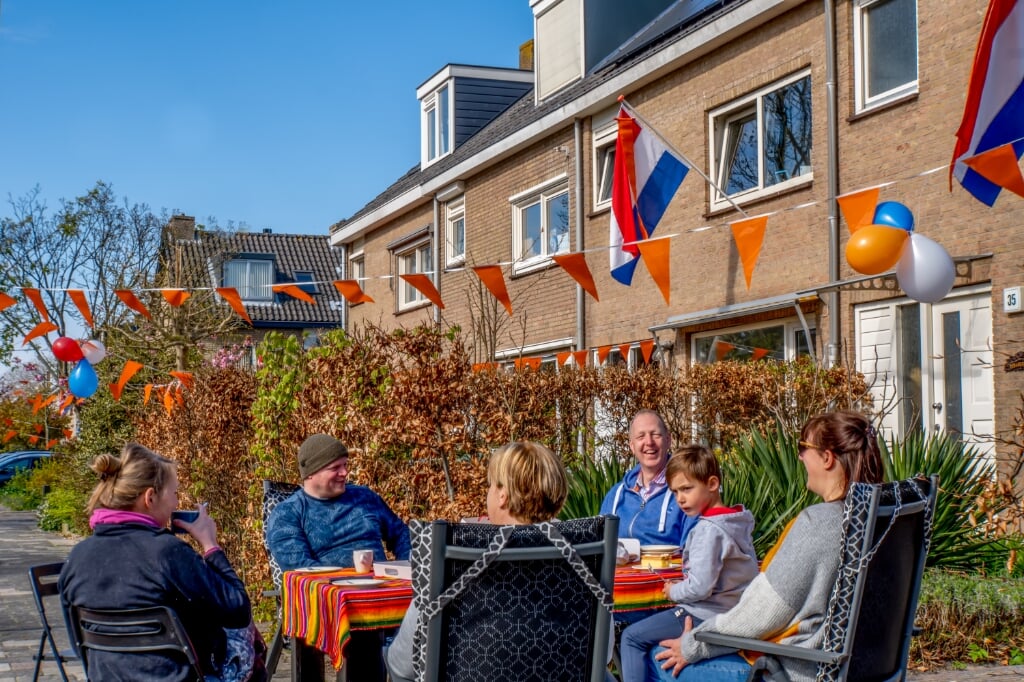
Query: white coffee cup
[362, 559]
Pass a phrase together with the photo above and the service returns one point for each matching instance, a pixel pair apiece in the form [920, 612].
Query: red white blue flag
[994, 112]
[647, 175]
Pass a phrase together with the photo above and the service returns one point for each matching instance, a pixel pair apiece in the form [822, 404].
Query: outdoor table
[319, 616]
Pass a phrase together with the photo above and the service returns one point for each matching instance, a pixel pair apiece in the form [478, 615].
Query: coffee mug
[186, 515]
[362, 559]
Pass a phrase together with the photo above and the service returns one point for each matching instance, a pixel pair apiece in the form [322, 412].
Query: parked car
[13, 462]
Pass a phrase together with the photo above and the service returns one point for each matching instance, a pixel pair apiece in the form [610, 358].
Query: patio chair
[274, 492]
[43, 579]
[153, 629]
[871, 617]
[503, 603]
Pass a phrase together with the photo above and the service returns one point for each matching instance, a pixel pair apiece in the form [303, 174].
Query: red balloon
[67, 349]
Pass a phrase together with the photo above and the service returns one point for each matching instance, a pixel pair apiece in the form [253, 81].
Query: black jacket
[125, 566]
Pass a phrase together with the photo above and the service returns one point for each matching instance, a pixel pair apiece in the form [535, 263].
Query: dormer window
[437, 124]
[252, 277]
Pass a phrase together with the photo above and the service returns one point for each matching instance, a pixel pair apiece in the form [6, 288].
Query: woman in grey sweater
[788, 600]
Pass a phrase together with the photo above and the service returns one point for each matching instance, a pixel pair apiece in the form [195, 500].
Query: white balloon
[925, 271]
[94, 351]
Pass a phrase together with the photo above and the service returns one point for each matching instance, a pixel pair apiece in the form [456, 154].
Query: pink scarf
[120, 516]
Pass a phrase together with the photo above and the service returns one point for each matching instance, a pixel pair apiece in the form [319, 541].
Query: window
[305, 281]
[774, 341]
[540, 224]
[762, 143]
[415, 259]
[604, 164]
[437, 124]
[252, 278]
[455, 232]
[357, 270]
[885, 50]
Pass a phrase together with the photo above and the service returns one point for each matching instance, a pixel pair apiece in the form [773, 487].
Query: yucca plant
[589, 482]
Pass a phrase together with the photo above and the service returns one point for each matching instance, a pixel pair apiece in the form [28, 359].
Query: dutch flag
[994, 111]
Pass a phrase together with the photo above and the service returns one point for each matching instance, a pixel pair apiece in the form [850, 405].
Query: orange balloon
[873, 249]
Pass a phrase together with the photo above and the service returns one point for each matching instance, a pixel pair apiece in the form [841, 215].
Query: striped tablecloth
[324, 614]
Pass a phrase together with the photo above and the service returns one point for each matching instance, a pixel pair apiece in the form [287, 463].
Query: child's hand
[667, 588]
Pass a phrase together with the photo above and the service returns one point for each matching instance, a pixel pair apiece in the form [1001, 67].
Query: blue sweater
[658, 521]
[305, 531]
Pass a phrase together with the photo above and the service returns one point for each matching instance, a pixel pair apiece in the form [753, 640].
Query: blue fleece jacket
[658, 521]
[306, 531]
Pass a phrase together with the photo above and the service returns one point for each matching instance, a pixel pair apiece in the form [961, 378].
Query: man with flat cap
[323, 522]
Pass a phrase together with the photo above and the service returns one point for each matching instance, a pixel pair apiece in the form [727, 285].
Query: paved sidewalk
[22, 544]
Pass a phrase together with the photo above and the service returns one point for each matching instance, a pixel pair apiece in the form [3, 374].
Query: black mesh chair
[274, 492]
[513, 603]
[871, 617]
[154, 629]
[43, 579]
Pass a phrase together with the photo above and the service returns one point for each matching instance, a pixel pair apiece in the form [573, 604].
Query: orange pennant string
[41, 329]
[68, 433]
[9, 435]
[35, 401]
[624, 351]
[37, 300]
[999, 166]
[494, 280]
[127, 372]
[184, 377]
[168, 400]
[6, 301]
[294, 291]
[353, 293]
[532, 363]
[858, 208]
[575, 264]
[722, 349]
[230, 294]
[602, 354]
[422, 284]
[115, 390]
[38, 428]
[759, 353]
[175, 297]
[749, 236]
[78, 298]
[647, 349]
[147, 392]
[129, 299]
[50, 443]
[179, 396]
[64, 404]
[579, 357]
[32, 440]
[655, 253]
[562, 358]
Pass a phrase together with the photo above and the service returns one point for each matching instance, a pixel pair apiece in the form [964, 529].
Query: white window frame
[718, 122]
[357, 270]
[455, 213]
[865, 102]
[604, 164]
[421, 253]
[540, 194]
[435, 122]
[792, 327]
[249, 292]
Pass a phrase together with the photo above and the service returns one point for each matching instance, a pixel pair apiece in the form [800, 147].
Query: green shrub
[589, 481]
[18, 493]
[61, 510]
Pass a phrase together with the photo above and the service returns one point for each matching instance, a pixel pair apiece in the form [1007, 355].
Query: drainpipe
[438, 255]
[581, 332]
[344, 275]
[832, 297]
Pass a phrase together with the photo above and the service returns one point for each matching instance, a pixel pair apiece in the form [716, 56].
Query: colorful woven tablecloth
[324, 614]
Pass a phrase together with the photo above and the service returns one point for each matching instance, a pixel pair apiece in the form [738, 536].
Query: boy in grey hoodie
[718, 559]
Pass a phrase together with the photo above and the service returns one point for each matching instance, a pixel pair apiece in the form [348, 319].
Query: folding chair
[153, 629]
[274, 492]
[43, 579]
[526, 603]
[871, 610]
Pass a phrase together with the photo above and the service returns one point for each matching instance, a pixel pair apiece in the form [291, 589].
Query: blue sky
[281, 115]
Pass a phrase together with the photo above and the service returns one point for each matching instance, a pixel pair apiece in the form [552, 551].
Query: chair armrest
[272, 593]
[760, 646]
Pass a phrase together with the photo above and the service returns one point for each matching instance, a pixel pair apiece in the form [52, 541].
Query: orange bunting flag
[562, 358]
[230, 294]
[647, 349]
[147, 392]
[184, 377]
[294, 291]
[353, 293]
[168, 400]
[38, 428]
[624, 351]
[130, 369]
[722, 349]
[68, 434]
[655, 253]
[602, 354]
[858, 208]
[6, 301]
[482, 366]
[9, 435]
[64, 404]
[38, 405]
[175, 297]
[36, 399]
[128, 298]
[37, 300]
[759, 353]
[749, 236]
[50, 443]
[78, 298]
[579, 357]
[999, 166]
[32, 440]
[41, 329]
[422, 284]
[179, 395]
[576, 265]
[532, 363]
[494, 280]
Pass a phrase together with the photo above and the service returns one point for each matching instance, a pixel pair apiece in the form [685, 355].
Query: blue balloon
[83, 381]
[894, 214]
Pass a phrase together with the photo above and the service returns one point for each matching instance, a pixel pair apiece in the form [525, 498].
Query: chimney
[267, 230]
[526, 55]
[182, 227]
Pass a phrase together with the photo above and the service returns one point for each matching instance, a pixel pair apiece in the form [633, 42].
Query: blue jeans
[729, 668]
[642, 636]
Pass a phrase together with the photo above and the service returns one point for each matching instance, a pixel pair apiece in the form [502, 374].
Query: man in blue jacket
[323, 522]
